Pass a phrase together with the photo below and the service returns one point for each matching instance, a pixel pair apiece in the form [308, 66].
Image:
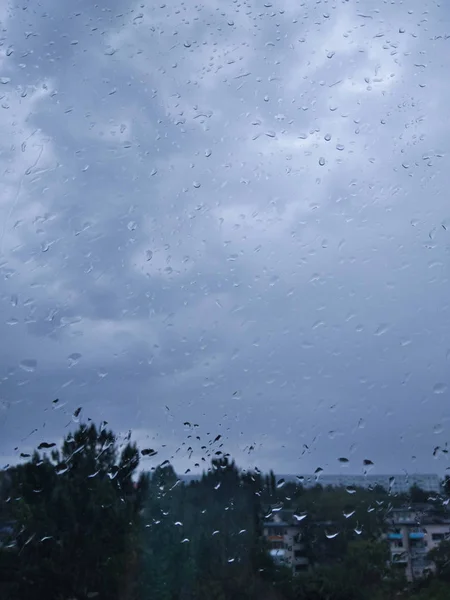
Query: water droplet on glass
[208, 153]
[28, 364]
[132, 226]
[148, 255]
[330, 54]
[61, 469]
[381, 329]
[46, 445]
[340, 147]
[322, 161]
[331, 534]
[348, 514]
[148, 452]
[280, 483]
[5, 80]
[439, 388]
[196, 184]
[327, 137]
[299, 516]
[185, 541]
[73, 358]
[350, 489]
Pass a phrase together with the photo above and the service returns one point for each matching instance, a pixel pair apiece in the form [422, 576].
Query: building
[412, 533]
[397, 484]
[284, 536]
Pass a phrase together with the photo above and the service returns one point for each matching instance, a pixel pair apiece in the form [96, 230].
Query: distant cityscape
[395, 483]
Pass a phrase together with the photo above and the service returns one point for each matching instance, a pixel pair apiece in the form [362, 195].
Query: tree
[76, 515]
[441, 558]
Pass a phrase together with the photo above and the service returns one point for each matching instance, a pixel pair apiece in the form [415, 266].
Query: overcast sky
[232, 214]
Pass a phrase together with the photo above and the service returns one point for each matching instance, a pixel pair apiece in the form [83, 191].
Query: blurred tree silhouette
[75, 515]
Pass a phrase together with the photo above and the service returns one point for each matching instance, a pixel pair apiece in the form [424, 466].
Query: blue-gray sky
[232, 214]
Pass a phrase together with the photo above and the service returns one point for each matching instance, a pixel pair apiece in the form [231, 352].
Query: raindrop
[343, 460]
[340, 147]
[73, 358]
[185, 541]
[148, 255]
[148, 452]
[321, 161]
[331, 535]
[113, 473]
[46, 445]
[330, 54]
[196, 184]
[28, 364]
[367, 462]
[231, 560]
[132, 226]
[439, 388]
[208, 153]
[381, 329]
[61, 469]
[217, 486]
[299, 517]
[358, 530]
[5, 80]
[280, 483]
[350, 489]
[327, 137]
[348, 514]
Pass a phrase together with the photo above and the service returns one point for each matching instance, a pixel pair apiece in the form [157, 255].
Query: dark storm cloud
[233, 211]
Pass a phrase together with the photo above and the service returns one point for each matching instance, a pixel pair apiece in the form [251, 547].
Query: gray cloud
[236, 211]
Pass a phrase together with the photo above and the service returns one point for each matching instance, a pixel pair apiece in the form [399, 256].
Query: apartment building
[284, 536]
[412, 533]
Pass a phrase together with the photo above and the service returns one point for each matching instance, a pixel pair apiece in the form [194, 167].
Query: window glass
[224, 300]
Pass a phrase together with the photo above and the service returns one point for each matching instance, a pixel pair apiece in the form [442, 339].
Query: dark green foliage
[75, 516]
[77, 525]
